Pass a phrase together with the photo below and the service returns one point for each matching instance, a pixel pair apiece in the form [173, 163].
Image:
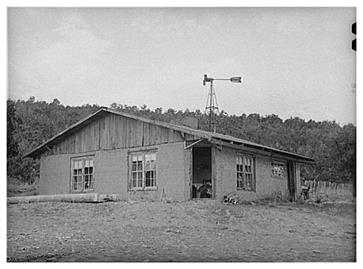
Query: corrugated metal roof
[196, 132]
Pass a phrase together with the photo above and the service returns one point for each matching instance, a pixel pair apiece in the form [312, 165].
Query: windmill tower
[211, 107]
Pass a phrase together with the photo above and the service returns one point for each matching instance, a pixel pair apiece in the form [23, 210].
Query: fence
[325, 190]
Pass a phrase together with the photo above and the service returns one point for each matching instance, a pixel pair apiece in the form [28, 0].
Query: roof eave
[268, 151]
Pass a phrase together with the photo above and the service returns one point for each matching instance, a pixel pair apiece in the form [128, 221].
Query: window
[245, 173]
[150, 170]
[88, 174]
[278, 169]
[82, 174]
[143, 170]
[136, 171]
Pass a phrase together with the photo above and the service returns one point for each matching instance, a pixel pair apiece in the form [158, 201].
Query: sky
[295, 62]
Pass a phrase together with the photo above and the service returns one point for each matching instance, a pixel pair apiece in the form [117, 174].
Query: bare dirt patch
[191, 231]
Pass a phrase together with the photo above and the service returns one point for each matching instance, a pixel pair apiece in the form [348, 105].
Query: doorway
[291, 178]
[202, 173]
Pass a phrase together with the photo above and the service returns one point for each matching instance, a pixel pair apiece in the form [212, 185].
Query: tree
[12, 124]
[333, 147]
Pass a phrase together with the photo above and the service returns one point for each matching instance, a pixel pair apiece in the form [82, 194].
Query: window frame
[137, 171]
[83, 175]
[243, 172]
[153, 170]
[143, 158]
[281, 163]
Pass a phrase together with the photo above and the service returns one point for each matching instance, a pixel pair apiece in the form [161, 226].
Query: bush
[19, 188]
[23, 169]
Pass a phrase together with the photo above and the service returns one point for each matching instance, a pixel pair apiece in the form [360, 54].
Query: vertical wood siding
[115, 132]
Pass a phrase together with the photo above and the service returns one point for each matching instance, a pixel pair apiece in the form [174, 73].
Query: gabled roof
[210, 136]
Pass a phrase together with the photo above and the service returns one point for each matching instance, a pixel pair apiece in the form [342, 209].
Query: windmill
[212, 105]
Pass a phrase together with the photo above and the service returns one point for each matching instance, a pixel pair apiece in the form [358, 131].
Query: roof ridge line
[176, 127]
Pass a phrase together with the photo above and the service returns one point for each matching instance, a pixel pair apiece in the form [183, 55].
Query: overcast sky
[295, 61]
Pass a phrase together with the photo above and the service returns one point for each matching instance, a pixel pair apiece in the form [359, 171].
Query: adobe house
[111, 152]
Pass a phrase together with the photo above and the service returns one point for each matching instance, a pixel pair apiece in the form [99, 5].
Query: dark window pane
[139, 166]
[90, 182]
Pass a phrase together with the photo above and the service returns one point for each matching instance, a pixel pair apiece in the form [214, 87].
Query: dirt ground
[191, 231]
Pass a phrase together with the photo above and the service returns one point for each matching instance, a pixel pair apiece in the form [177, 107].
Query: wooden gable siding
[112, 132]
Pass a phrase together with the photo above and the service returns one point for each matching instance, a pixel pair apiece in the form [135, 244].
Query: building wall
[298, 179]
[171, 163]
[171, 181]
[54, 174]
[110, 131]
[188, 173]
[111, 173]
[226, 178]
[268, 186]
[174, 173]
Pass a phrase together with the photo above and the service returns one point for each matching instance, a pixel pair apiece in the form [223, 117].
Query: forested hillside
[31, 122]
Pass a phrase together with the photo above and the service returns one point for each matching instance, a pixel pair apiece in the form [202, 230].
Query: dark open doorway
[202, 173]
[291, 177]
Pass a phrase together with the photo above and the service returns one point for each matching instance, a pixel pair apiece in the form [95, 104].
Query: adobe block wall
[54, 174]
[268, 186]
[111, 173]
[188, 174]
[171, 168]
[226, 178]
[170, 174]
[298, 179]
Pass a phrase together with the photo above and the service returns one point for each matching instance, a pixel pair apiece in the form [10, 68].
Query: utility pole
[212, 105]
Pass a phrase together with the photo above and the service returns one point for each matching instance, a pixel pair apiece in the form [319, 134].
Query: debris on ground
[231, 199]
